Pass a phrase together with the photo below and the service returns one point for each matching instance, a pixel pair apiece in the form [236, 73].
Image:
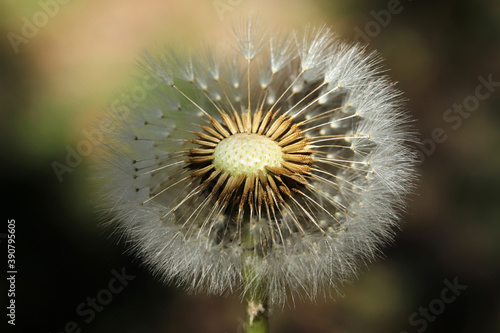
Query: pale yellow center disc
[247, 153]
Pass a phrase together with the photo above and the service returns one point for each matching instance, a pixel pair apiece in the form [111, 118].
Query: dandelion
[274, 167]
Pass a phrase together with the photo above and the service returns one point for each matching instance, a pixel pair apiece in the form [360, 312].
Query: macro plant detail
[274, 167]
[244, 159]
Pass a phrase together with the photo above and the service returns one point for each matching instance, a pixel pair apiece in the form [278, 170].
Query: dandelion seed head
[297, 138]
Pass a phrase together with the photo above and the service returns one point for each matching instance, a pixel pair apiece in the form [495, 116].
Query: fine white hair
[341, 213]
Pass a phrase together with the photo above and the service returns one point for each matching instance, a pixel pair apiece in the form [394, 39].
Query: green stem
[257, 313]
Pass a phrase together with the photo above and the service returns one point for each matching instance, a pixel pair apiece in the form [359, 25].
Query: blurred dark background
[62, 62]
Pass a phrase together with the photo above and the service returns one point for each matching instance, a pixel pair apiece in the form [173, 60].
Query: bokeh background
[57, 77]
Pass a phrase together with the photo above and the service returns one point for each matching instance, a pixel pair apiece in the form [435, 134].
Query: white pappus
[298, 140]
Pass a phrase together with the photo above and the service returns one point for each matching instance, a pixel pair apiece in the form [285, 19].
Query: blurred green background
[62, 62]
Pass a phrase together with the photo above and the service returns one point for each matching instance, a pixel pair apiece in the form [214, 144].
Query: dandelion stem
[255, 299]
